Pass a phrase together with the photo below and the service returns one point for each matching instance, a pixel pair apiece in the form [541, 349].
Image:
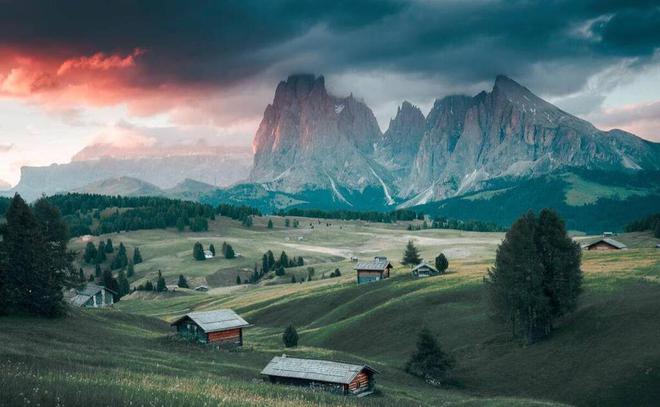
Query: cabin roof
[424, 265]
[92, 289]
[80, 300]
[313, 369]
[217, 320]
[377, 264]
[609, 241]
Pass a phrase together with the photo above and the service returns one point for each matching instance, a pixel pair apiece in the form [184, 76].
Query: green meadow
[605, 353]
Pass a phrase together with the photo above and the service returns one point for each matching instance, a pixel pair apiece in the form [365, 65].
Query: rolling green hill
[589, 201]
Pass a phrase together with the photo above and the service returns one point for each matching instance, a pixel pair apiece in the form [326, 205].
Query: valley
[134, 358]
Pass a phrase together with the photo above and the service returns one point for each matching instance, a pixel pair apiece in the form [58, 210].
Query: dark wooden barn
[605, 244]
[337, 377]
[377, 269]
[220, 327]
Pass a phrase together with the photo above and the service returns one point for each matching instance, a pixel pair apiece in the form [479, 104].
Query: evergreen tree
[284, 259]
[137, 256]
[97, 270]
[130, 270]
[148, 286]
[161, 286]
[428, 361]
[270, 224]
[108, 246]
[181, 224]
[238, 280]
[91, 278]
[224, 248]
[100, 253]
[122, 284]
[90, 253]
[301, 262]
[290, 337]
[183, 283]
[271, 260]
[287, 223]
[441, 263]
[293, 278]
[536, 276]
[411, 254]
[265, 266]
[109, 282]
[212, 249]
[198, 252]
[280, 271]
[229, 252]
[310, 273]
[81, 275]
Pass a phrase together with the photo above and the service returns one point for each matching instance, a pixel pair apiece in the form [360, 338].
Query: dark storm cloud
[553, 46]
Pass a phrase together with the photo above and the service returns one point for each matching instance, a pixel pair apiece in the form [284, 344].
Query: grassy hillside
[603, 354]
[589, 201]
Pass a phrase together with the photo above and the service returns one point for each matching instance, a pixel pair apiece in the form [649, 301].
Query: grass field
[603, 354]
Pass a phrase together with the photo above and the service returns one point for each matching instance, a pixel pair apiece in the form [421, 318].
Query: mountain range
[310, 140]
[317, 150]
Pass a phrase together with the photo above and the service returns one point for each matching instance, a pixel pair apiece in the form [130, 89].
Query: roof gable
[375, 265]
[424, 265]
[313, 369]
[217, 320]
[611, 242]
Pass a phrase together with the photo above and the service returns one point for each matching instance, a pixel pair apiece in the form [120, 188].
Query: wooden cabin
[220, 327]
[377, 269]
[605, 244]
[337, 377]
[93, 296]
[424, 270]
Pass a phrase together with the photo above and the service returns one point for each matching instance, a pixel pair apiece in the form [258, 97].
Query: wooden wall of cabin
[228, 337]
[602, 246]
[362, 382]
[368, 276]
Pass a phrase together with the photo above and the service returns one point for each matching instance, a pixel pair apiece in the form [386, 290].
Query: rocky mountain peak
[299, 87]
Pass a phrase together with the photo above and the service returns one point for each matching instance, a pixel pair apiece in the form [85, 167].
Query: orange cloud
[100, 61]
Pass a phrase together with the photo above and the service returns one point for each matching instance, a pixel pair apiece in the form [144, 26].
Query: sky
[151, 73]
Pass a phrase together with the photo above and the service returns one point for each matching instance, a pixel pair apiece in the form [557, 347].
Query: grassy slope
[603, 354]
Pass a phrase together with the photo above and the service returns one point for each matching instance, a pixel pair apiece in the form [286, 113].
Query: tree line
[370, 216]
[651, 222]
[442, 222]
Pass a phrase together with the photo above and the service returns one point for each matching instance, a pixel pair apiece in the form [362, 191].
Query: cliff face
[510, 132]
[309, 139]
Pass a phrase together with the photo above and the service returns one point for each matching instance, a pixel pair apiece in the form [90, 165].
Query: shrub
[290, 337]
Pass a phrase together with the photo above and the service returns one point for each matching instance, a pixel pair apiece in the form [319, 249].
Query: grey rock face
[309, 139]
[512, 132]
[401, 141]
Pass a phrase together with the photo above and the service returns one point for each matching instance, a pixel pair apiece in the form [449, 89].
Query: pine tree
[100, 253]
[270, 224]
[287, 223]
[290, 337]
[122, 284]
[293, 278]
[161, 286]
[183, 283]
[280, 271]
[301, 261]
[97, 270]
[81, 275]
[271, 259]
[108, 246]
[441, 263]
[229, 252]
[284, 259]
[109, 282]
[212, 249]
[137, 256]
[310, 273]
[516, 282]
[224, 248]
[91, 278]
[428, 361]
[90, 253]
[411, 254]
[130, 270]
[238, 280]
[148, 286]
[198, 252]
[181, 224]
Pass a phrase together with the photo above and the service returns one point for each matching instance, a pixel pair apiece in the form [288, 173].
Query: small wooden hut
[375, 270]
[605, 244]
[424, 269]
[93, 296]
[220, 327]
[338, 377]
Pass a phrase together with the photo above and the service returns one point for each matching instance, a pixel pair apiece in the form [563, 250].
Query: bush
[290, 337]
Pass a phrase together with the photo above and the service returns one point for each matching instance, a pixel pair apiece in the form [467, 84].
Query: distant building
[220, 327]
[208, 254]
[608, 234]
[201, 288]
[605, 244]
[424, 269]
[93, 296]
[375, 270]
[343, 378]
